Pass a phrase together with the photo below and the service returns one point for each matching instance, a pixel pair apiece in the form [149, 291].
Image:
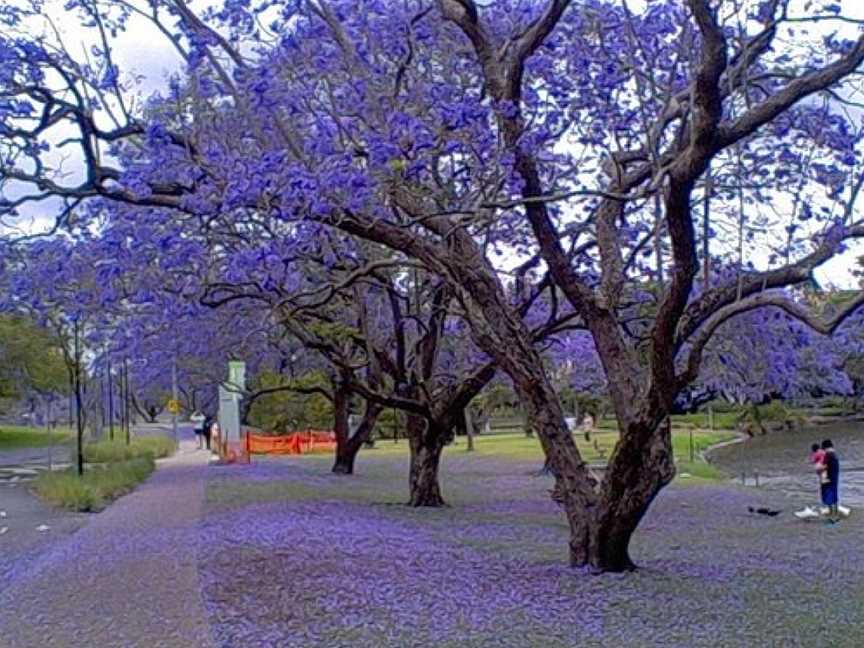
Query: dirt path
[128, 578]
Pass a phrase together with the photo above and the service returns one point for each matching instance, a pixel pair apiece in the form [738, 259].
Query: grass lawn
[723, 421]
[15, 437]
[297, 556]
[518, 447]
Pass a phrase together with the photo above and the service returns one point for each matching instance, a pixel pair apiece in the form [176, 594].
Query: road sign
[174, 406]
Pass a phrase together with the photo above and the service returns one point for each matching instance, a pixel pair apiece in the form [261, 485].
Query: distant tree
[30, 359]
[304, 403]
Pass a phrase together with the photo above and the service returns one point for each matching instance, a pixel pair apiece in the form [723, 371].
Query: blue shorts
[829, 494]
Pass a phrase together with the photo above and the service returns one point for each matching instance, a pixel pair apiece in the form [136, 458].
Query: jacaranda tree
[461, 135]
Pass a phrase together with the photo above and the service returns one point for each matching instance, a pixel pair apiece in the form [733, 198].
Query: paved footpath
[127, 578]
[58, 453]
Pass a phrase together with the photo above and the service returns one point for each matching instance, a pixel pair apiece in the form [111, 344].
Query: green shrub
[67, 490]
[108, 451]
[155, 447]
[722, 405]
[838, 403]
[98, 486]
[124, 466]
[158, 447]
[773, 412]
[288, 411]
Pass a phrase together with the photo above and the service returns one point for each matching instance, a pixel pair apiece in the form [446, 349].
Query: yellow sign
[174, 406]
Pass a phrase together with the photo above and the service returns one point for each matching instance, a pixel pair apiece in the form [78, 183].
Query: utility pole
[49, 424]
[79, 427]
[174, 397]
[126, 410]
[103, 405]
[121, 413]
[110, 401]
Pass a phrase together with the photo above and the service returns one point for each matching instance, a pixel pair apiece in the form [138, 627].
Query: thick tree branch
[716, 298]
[691, 163]
[820, 324]
[795, 91]
[533, 37]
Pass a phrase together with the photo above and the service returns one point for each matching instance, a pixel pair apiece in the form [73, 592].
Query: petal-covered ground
[128, 577]
[298, 557]
[282, 553]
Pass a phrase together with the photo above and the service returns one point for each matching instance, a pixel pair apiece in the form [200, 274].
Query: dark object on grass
[764, 511]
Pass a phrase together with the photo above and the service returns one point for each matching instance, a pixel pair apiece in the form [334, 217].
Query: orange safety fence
[295, 443]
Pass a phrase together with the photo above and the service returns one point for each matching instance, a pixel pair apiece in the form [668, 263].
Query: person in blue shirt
[831, 488]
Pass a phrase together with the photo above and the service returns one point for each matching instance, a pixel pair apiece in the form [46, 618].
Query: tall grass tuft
[155, 447]
[98, 486]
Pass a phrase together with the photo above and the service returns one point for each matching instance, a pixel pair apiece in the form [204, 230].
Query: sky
[144, 52]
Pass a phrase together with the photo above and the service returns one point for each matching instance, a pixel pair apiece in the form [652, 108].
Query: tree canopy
[507, 173]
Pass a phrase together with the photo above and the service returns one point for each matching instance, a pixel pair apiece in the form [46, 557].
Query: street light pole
[110, 401]
[79, 427]
[174, 397]
[127, 410]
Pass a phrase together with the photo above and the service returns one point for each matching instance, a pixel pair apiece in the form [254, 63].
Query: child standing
[817, 458]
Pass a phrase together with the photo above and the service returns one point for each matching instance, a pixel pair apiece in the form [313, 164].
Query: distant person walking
[209, 422]
[198, 420]
[831, 488]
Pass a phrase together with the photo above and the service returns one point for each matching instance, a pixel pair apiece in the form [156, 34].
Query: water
[782, 461]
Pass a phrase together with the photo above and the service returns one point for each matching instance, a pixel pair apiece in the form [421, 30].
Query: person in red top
[817, 458]
[831, 487]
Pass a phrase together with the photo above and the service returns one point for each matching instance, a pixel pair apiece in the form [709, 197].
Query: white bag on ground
[809, 513]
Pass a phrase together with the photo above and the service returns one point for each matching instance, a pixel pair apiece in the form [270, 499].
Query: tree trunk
[426, 448]
[469, 430]
[346, 454]
[757, 418]
[575, 484]
[601, 519]
[506, 339]
[640, 466]
[79, 422]
[341, 411]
